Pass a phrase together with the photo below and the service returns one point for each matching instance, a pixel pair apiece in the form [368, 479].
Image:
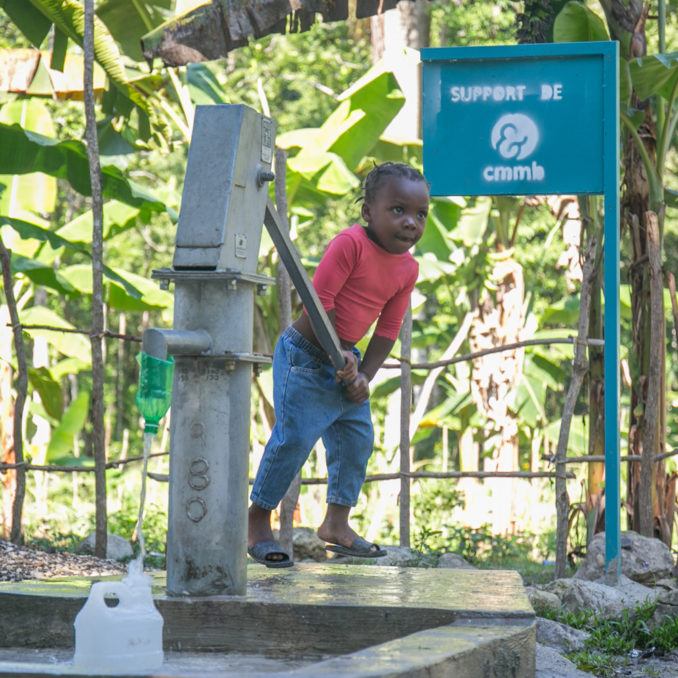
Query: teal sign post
[536, 120]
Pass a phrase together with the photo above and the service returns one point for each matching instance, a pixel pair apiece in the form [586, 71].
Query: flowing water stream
[137, 565]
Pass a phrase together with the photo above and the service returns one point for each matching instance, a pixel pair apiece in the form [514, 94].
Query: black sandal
[263, 550]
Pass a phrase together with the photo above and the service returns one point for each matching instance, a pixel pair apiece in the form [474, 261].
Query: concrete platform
[371, 621]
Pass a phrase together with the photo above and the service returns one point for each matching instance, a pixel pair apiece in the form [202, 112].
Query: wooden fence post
[405, 411]
[579, 370]
[16, 533]
[98, 321]
[289, 501]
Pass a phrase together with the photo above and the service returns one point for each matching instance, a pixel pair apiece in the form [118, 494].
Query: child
[365, 274]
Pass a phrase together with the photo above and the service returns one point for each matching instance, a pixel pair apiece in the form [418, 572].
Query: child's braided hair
[387, 169]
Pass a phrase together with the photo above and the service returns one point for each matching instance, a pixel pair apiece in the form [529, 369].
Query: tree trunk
[416, 23]
[595, 502]
[580, 217]
[579, 369]
[499, 319]
[96, 337]
[409, 25]
[16, 532]
[377, 37]
[646, 505]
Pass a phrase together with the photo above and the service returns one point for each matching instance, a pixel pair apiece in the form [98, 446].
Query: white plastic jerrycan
[120, 639]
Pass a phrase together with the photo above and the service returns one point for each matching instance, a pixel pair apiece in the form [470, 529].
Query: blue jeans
[310, 404]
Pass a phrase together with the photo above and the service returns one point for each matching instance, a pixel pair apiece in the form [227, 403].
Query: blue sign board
[536, 120]
[522, 120]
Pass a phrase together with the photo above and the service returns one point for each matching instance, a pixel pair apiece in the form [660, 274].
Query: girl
[366, 273]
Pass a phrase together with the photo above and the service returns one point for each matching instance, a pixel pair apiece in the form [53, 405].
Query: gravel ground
[18, 563]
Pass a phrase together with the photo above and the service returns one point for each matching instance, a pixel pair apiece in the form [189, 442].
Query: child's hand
[349, 371]
[359, 389]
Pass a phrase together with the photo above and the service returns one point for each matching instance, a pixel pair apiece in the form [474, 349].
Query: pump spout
[161, 343]
[157, 369]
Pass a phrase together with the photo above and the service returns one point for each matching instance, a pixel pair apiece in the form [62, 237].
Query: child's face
[397, 214]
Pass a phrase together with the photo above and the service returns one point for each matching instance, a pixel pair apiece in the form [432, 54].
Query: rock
[606, 601]
[579, 594]
[559, 636]
[308, 545]
[644, 559]
[454, 560]
[542, 601]
[667, 606]
[117, 548]
[633, 593]
[665, 666]
[399, 556]
[668, 583]
[551, 665]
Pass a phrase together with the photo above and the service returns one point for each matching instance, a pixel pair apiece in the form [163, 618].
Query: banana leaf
[24, 152]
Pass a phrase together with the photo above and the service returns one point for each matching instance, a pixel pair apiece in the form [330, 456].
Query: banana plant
[25, 152]
[27, 195]
[323, 161]
[653, 76]
[649, 115]
[118, 27]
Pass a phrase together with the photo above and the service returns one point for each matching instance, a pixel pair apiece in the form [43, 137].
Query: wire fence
[404, 475]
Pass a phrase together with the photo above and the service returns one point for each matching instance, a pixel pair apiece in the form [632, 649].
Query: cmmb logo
[515, 137]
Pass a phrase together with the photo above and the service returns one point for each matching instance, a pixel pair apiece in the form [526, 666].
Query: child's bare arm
[377, 351]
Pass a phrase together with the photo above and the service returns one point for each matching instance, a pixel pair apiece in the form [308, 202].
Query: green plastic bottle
[154, 395]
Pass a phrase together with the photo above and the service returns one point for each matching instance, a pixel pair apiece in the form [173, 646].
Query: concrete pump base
[343, 620]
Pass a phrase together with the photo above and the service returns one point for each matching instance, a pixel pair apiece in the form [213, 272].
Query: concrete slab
[459, 651]
[502, 651]
[375, 616]
[58, 662]
[335, 608]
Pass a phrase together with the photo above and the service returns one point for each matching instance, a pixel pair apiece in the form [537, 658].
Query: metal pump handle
[323, 328]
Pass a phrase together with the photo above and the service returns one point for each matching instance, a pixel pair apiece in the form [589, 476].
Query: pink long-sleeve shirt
[363, 282]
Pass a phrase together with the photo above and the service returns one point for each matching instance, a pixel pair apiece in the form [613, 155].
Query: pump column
[214, 273]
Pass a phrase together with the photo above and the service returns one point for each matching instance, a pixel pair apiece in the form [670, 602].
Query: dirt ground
[18, 563]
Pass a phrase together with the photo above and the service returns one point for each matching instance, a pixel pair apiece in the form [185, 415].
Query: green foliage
[303, 84]
[41, 379]
[328, 155]
[203, 85]
[473, 22]
[25, 152]
[128, 21]
[155, 524]
[68, 18]
[71, 345]
[577, 23]
[52, 540]
[434, 533]
[611, 640]
[535, 23]
[43, 274]
[61, 445]
[32, 194]
[29, 20]
[655, 74]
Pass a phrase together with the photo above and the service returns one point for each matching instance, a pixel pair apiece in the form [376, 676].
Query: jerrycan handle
[116, 588]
